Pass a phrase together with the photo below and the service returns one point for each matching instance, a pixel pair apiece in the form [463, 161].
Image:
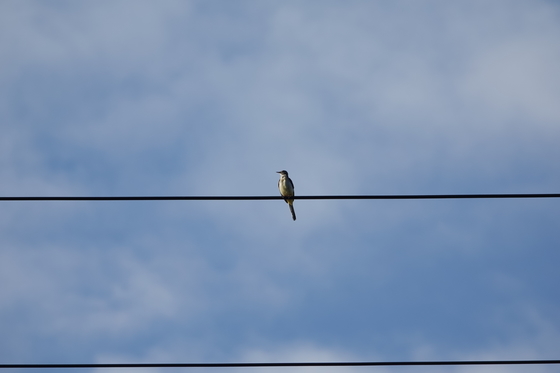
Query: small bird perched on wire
[286, 188]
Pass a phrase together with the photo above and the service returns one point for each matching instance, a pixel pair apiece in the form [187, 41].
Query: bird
[286, 188]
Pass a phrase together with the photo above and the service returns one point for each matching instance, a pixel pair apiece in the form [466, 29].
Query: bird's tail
[290, 203]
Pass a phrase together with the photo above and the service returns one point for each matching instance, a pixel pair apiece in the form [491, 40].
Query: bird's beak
[278, 172]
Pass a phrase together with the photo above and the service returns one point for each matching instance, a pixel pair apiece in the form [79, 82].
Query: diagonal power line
[242, 198]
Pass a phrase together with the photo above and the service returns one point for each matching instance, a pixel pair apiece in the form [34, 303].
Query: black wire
[264, 365]
[237, 198]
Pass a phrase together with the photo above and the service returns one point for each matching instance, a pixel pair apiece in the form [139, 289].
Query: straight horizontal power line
[264, 365]
[241, 198]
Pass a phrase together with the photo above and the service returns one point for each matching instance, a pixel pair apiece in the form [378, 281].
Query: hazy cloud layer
[211, 98]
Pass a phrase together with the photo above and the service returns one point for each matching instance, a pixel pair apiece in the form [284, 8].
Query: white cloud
[304, 352]
[519, 78]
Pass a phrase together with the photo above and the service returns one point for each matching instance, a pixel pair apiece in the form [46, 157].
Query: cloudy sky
[211, 97]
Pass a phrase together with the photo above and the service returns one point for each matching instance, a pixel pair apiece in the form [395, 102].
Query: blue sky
[211, 98]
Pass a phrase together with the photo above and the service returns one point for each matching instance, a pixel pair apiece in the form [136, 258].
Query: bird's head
[283, 172]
